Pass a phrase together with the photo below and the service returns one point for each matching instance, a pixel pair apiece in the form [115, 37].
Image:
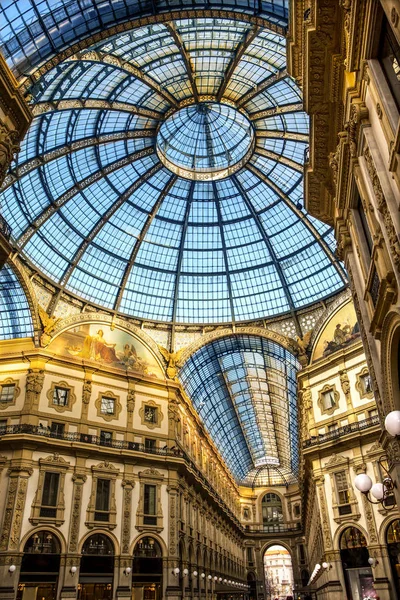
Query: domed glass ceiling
[205, 141]
[94, 209]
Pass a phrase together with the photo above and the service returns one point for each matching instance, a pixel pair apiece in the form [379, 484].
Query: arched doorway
[357, 571]
[40, 567]
[147, 570]
[272, 512]
[96, 574]
[278, 572]
[252, 583]
[393, 545]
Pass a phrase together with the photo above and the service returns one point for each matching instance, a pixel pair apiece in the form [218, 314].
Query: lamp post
[381, 491]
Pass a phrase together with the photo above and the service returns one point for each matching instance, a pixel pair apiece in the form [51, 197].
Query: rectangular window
[328, 400]
[332, 427]
[107, 405]
[102, 500]
[50, 495]
[57, 429]
[373, 413]
[150, 414]
[105, 438]
[366, 383]
[389, 58]
[61, 396]
[7, 393]
[149, 510]
[149, 444]
[249, 555]
[3, 425]
[365, 226]
[342, 490]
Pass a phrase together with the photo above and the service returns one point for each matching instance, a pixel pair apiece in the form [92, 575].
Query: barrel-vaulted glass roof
[94, 209]
[15, 313]
[244, 389]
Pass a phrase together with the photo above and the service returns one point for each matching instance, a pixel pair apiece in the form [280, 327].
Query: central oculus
[205, 141]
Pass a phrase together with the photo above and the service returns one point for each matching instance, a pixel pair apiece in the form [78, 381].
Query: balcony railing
[85, 438]
[27, 429]
[280, 528]
[340, 431]
[5, 229]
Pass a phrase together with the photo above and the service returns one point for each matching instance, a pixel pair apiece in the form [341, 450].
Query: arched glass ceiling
[31, 31]
[93, 208]
[244, 389]
[15, 314]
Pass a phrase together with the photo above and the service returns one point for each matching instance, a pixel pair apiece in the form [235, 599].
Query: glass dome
[114, 202]
[205, 141]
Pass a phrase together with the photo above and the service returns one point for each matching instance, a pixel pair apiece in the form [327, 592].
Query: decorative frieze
[79, 479]
[128, 486]
[14, 507]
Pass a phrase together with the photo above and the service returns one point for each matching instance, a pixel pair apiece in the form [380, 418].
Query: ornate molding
[268, 334]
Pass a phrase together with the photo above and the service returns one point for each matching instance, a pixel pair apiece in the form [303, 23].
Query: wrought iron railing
[340, 431]
[5, 229]
[280, 528]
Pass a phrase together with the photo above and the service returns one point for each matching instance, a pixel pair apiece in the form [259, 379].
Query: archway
[147, 569]
[272, 512]
[40, 567]
[278, 572]
[252, 585]
[357, 571]
[393, 545]
[96, 572]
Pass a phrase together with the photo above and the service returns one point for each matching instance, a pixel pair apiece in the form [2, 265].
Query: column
[124, 589]
[11, 530]
[172, 582]
[331, 580]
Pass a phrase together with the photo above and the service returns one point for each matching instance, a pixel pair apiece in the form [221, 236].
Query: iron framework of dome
[94, 209]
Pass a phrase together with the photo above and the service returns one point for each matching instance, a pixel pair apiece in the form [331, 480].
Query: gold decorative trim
[157, 412]
[71, 396]
[17, 391]
[336, 397]
[117, 406]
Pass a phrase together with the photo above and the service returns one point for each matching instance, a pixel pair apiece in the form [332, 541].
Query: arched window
[98, 544]
[393, 545]
[357, 571]
[272, 513]
[40, 564]
[42, 542]
[147, 569]
[147, 547]
[96, 573]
